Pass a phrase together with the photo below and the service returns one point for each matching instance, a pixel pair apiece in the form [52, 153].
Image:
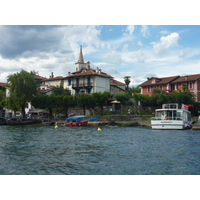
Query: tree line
[24, 88]
[159, 97]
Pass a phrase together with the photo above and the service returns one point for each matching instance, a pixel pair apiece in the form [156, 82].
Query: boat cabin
[80, 120]
[172, 116]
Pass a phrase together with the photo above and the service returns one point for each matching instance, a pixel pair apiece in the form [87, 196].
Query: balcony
[82, 85]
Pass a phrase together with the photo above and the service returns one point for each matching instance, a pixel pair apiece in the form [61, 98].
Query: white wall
[101, 84]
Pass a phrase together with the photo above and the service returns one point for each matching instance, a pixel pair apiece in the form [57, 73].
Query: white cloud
[125, 47]
[130, 29]
[112, 57]
[166, 43]
[139, 56]
[145, 31]
[184, 52]
[139, 43]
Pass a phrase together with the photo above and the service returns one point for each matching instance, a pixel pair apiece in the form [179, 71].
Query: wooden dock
[196, 126]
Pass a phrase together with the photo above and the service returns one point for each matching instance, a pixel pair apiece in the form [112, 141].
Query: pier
[196, 126]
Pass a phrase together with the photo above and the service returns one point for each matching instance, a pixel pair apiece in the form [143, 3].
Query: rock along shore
[123, 120]
[118, 123]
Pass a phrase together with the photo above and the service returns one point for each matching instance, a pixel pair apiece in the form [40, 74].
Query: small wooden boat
[79, 120]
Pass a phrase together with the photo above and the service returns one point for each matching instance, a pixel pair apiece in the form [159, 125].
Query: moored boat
[79, 120]
[172, 116]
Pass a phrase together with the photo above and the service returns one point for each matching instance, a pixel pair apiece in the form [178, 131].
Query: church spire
[80, 59]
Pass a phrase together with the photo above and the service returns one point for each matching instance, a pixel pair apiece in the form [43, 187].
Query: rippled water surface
[85, 150]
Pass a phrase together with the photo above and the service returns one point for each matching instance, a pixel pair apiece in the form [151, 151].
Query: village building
[88, 80]
[174, 83]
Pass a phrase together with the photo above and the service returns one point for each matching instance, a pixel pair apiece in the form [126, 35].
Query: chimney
[51, 75]
[186, 78]
[69, 73]
[88, 64]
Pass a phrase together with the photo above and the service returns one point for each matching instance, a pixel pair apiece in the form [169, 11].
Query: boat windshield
[71, 120]
[169, 115]
[77, 119]
[172, 115]
[82, 119]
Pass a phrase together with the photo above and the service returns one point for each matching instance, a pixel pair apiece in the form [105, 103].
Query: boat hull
[170, 125]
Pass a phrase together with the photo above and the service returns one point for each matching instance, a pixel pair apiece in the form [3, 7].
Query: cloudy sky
[139, 51]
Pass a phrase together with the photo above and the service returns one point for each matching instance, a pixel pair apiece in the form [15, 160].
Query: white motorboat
[172, 116]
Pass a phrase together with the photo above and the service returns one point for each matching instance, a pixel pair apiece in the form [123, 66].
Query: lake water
[43, 150]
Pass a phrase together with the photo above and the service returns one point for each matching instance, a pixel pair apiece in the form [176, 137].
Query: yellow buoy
[56, 126]
[99, 129]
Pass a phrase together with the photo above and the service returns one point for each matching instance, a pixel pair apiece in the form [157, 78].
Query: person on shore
[130, 112]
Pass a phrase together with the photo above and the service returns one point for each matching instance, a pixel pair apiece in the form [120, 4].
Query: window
[161, 87]
[175, 87]
[148, 89]
[190, 85]
[69, 82]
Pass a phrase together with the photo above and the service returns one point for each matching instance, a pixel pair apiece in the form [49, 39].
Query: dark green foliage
[127, 82]
[2, 98]
[60, 91]
[135, 89]
[122, 97]
[158, 91]
[100, 99]
[83, 100]
[23, 88]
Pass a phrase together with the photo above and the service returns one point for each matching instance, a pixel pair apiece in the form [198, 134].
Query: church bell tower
[80, 64]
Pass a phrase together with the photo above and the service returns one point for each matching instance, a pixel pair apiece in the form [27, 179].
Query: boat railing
[166, 118]
[171, 106]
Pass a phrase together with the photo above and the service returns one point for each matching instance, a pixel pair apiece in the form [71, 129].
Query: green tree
[122, 97]
[100, 99]
[135, 89]
[23, 88]
[68, 101]
[158, 91]
[83, 100]
[45, 102]
[127, 82]
[60, 91]
[2, 97]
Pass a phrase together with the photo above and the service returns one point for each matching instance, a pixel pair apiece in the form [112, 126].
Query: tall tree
[127, 82]
[23, 88]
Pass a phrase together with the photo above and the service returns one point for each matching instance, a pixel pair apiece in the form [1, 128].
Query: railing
[166, 118]
[82, 85]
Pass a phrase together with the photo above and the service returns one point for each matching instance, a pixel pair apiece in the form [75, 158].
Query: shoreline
[121, 123]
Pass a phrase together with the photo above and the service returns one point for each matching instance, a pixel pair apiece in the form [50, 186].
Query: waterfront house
[88, 80]
[174, 83]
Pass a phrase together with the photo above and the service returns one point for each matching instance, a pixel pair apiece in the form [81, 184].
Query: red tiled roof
[55, 78]
[88, 72]
[117, 82]
[44, 91]
[188, 78]
[160, 81]
[2, 84]
[39, 77]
